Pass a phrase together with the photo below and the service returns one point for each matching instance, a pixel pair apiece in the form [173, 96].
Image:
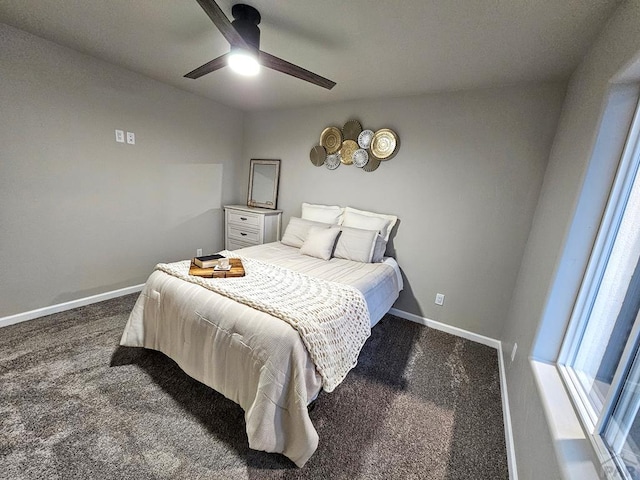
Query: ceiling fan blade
[280, 65]
[215, 64]
[221, 21]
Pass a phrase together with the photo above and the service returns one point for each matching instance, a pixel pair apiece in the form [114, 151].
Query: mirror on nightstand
[263, 183]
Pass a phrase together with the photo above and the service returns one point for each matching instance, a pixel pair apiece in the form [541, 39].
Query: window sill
[574, 450]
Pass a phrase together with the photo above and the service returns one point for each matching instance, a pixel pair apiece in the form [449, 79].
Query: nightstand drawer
[242, 218]
[244, 234]
[236, 245]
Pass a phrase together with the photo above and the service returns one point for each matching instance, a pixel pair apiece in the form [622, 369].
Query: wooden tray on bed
[237, 270]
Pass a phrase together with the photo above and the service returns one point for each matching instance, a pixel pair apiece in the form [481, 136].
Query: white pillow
[297, 231]
[356, 244]
[322, 213]
[320, 242]
[369, 221]
[379, 249]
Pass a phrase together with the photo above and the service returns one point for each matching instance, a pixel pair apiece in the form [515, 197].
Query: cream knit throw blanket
[332, 319]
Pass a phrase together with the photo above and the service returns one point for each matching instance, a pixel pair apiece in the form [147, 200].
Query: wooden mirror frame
[272, 203]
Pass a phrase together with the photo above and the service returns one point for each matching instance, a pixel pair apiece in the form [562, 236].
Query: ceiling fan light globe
[243, 63]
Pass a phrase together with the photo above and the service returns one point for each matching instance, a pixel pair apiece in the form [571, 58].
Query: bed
[249, 355]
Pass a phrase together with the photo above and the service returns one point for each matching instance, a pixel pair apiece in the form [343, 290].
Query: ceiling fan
[243, 36]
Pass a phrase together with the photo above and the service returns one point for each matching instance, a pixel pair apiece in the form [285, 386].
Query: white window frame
[593, 422]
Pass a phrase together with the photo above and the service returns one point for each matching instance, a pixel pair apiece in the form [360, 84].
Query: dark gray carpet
[74, 405]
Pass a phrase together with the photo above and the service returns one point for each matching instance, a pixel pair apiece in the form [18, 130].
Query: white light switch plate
[119, 136]
[131, 138]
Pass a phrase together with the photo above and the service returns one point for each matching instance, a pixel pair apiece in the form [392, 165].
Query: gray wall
[464, 185]
[564, 229]
[81, 214]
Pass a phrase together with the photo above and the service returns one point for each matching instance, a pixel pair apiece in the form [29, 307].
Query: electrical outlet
[513, 352]
[439, 298]
[131, 138]
[119, 136]
[199, 252]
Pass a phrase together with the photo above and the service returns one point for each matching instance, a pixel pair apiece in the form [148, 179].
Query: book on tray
[207, 261]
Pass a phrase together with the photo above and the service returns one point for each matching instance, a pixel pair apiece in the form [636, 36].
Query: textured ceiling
[370, 48]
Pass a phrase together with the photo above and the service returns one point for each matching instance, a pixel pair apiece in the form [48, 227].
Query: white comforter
[251, 357]
[332, 319]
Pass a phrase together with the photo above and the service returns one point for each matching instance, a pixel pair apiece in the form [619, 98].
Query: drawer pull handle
[243, 234]
[242, 218]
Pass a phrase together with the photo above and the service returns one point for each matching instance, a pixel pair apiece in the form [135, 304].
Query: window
[600, 357]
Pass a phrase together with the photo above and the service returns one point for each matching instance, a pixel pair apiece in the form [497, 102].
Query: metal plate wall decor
[353, 145]
[360, 157]
[364, 139]
[351, 130]
[332, 161]
[372, 164]
[318, 155]
[331, 139]
[383, 144]
[346, 152]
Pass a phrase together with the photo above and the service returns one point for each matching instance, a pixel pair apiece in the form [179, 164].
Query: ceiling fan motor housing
[246, 20]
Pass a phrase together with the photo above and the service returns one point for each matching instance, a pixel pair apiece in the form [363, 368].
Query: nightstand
[247, 226]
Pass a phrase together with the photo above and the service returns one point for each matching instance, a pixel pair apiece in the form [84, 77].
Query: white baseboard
[506, 415]
[61, 307]
[458, 332]
[490, 342]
